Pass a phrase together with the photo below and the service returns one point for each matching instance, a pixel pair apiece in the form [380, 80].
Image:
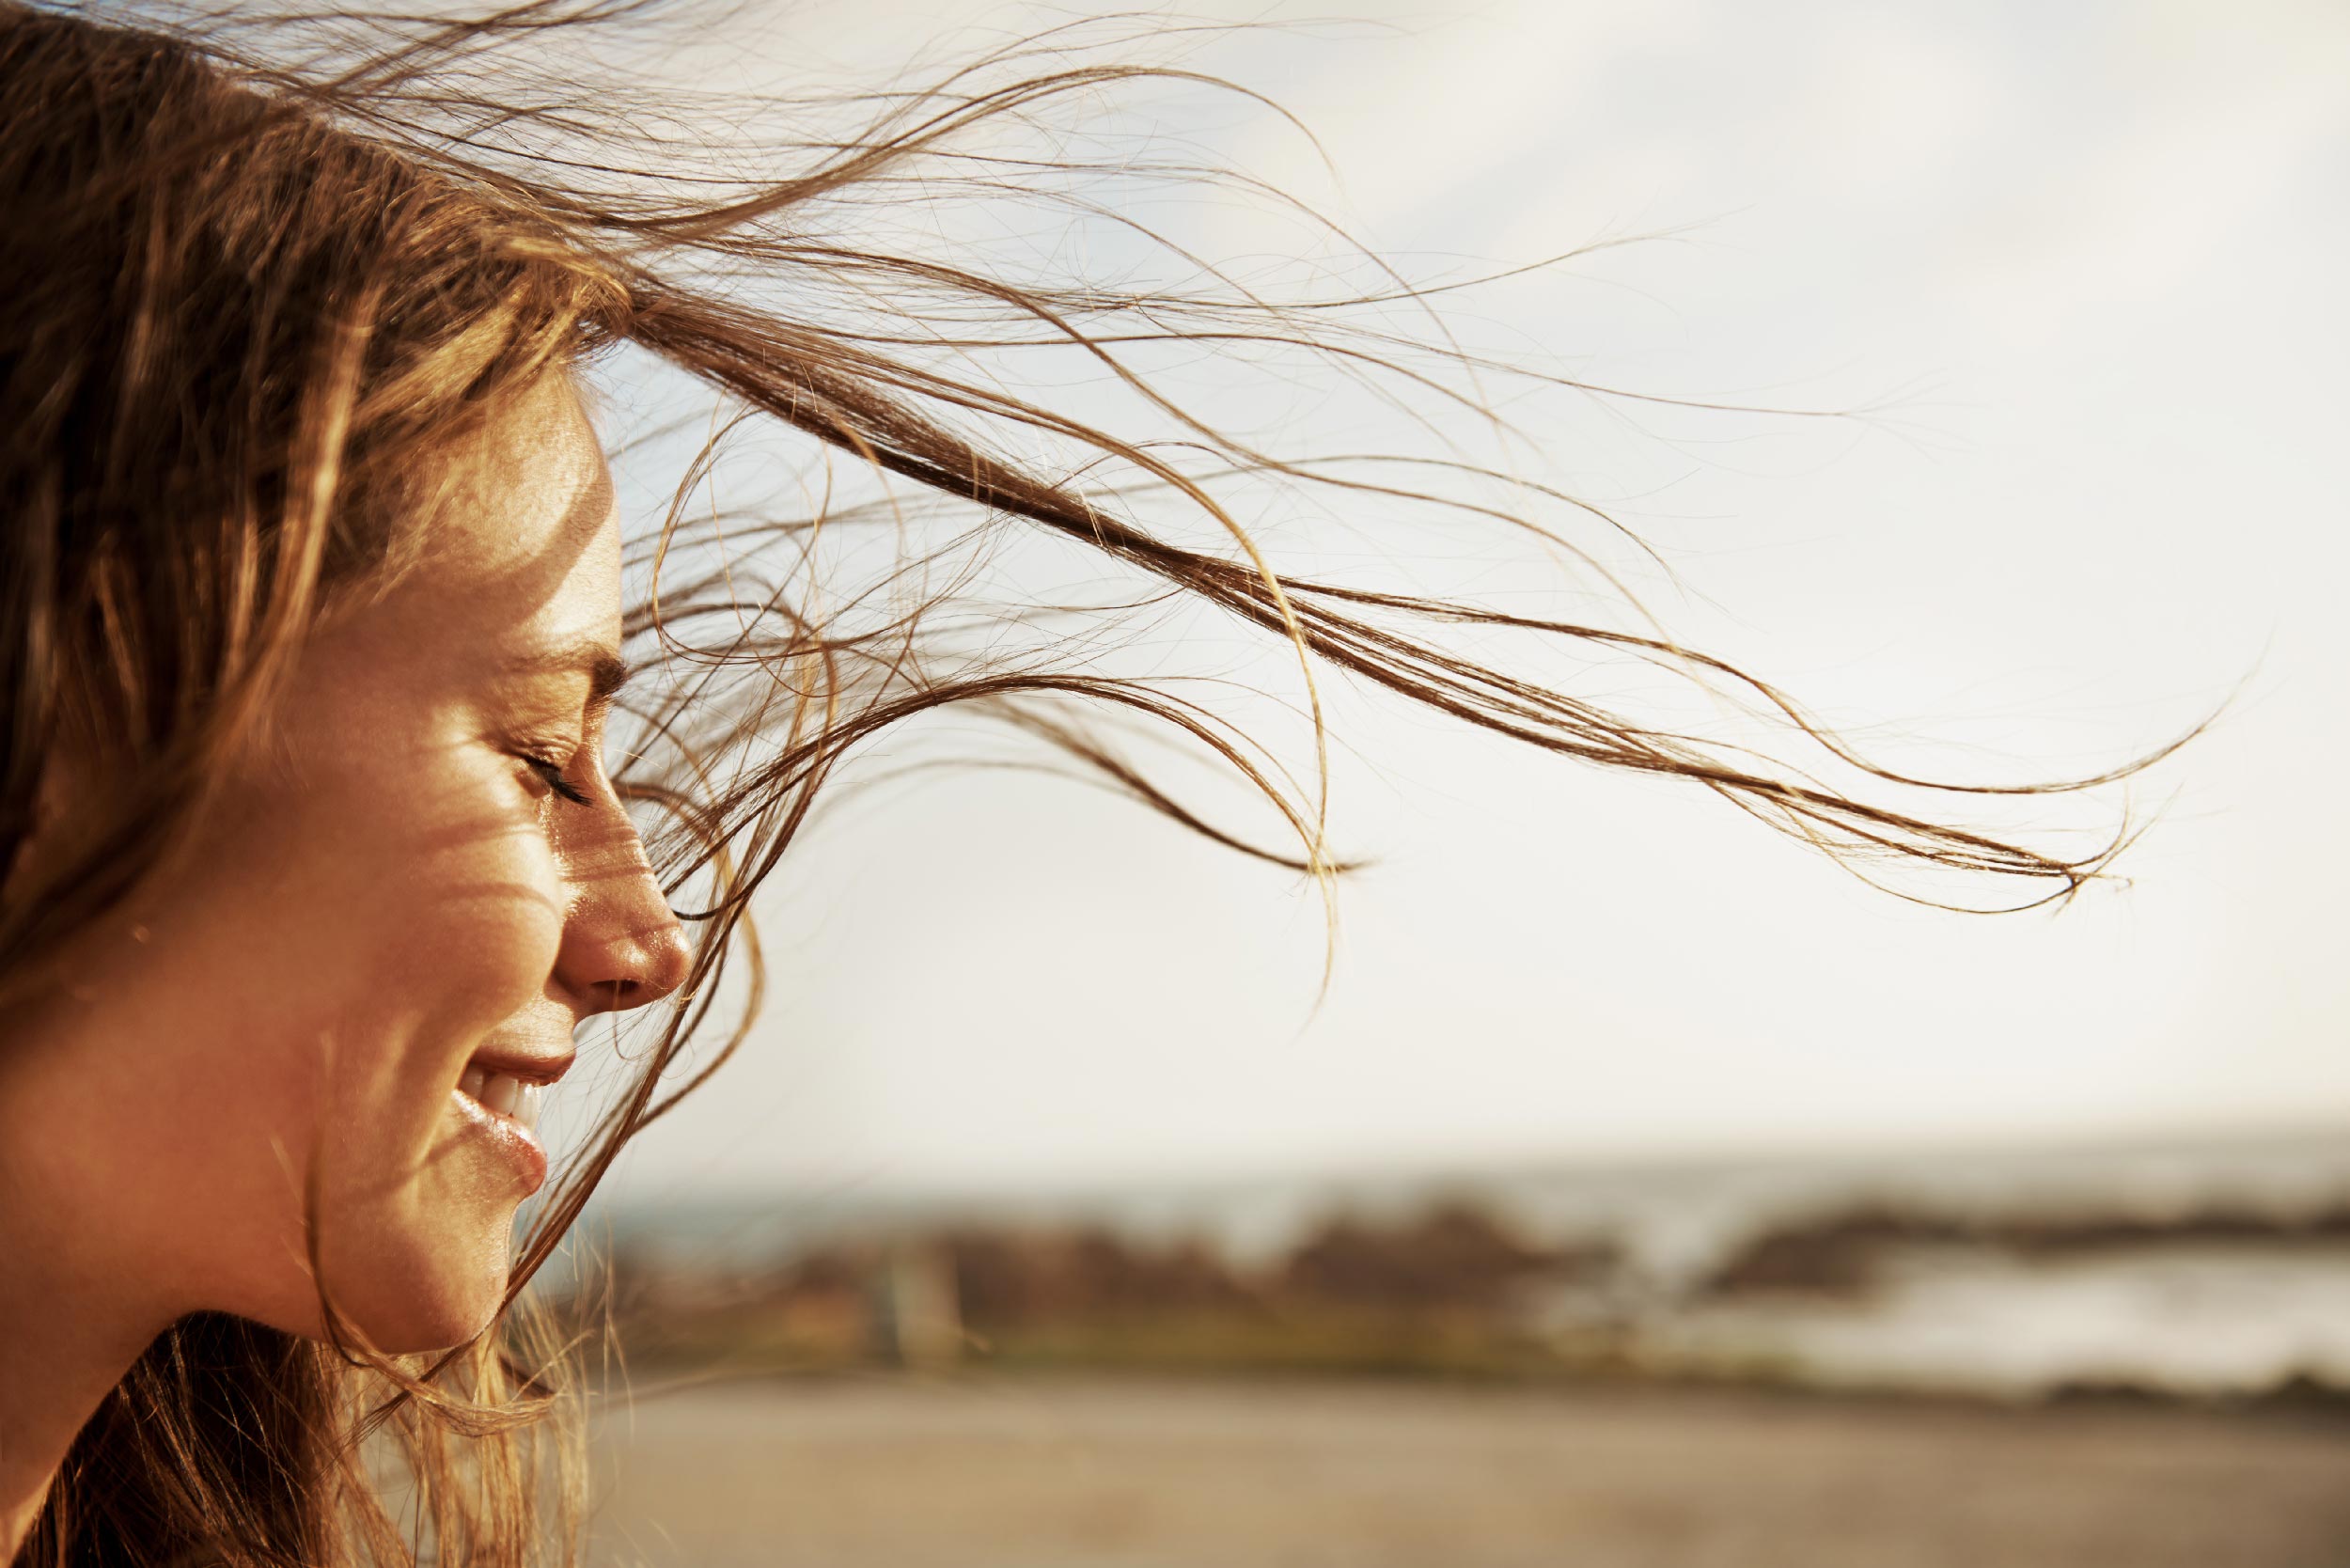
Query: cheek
[431, 918]
[469, 935]
[452, 922]
[351, 947]
[417, 1229]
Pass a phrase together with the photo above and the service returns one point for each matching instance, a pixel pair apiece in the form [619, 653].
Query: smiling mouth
[504, 1096]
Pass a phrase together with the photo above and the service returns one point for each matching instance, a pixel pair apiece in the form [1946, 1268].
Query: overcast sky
[2100, 247]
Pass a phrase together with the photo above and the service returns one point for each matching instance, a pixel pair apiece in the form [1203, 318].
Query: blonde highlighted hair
[265, 282]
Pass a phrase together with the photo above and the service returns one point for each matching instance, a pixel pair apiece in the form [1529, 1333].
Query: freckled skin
[387, 889]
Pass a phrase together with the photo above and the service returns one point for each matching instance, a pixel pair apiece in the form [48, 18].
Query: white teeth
[503, 1094]
[500, 1093]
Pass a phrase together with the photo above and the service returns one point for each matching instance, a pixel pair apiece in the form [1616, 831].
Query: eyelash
[551, 774]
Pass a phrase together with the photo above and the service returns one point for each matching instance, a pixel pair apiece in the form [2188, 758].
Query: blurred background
[1645, 1189]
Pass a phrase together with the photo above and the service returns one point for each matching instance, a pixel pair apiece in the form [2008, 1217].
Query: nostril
[646, 965]
[623, 945]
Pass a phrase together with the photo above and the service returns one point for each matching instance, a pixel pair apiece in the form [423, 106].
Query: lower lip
[511, 1138]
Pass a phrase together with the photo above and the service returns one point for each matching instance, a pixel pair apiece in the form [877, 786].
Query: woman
[314, 622]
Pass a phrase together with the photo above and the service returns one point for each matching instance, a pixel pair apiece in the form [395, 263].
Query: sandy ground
[1139, 1475]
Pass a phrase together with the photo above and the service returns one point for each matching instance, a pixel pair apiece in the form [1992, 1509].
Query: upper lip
[519, 1061]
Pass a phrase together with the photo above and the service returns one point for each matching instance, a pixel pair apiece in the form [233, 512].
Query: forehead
[519, 558]
[527, 502]
[523, 553]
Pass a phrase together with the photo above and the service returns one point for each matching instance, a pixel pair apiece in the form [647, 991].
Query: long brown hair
[265, 280]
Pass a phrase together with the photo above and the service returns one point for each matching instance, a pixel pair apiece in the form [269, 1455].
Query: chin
[425, 1291]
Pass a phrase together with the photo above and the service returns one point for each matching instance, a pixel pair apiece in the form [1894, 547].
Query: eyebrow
[606, 671]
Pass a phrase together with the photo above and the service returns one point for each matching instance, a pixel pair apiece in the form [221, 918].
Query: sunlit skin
[389, 889]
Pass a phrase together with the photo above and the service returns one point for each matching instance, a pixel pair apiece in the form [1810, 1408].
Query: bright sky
[2102, 246]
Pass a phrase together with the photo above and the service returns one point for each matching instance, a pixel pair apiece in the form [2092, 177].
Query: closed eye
[551, 774]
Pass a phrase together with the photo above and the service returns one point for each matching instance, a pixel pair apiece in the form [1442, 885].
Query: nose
[623, 945]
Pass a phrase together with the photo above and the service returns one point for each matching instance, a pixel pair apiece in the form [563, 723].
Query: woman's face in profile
[379, 947]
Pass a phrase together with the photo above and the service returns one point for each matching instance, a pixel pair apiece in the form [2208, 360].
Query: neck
[67, 1335]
